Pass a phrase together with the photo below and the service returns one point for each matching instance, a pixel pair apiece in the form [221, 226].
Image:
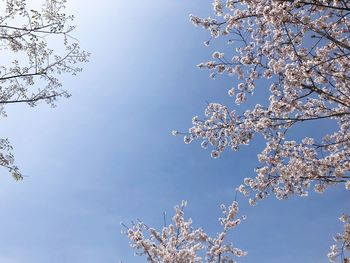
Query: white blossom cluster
[302, 50]
[7, 159]
[343, 242]
[36, 47]
[27, 37]
[179, 242]
[299, 52]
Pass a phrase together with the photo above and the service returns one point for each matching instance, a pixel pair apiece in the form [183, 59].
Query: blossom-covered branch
[180, 242]
[298, 52]
[343, 243]
[38, 46]
[301, 49]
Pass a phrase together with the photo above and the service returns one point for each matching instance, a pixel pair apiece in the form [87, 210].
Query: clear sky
[106, 154]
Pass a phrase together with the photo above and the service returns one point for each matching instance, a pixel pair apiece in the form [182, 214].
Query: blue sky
[106, 154]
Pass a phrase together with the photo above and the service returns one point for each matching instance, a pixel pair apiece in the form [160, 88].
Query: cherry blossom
[36, 46]
[180, 242]
[301, 49]
[298, 53]
[343, 242]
